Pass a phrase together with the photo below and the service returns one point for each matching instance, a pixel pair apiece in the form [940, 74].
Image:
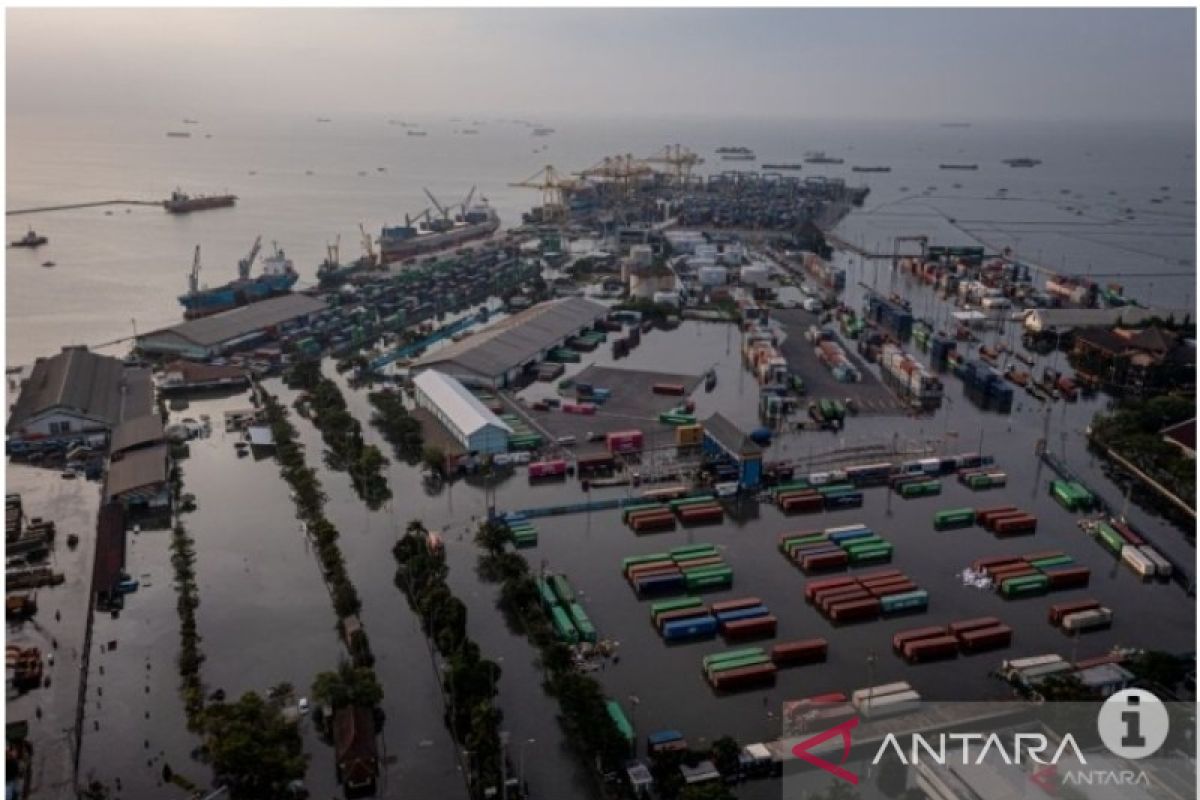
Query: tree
[347, 686]
[434, 458]
[706, 791]
[725, 752]
[253, 748]
[1158, 667]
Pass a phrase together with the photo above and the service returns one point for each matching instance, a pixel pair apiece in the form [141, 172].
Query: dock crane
[624, 170]
[332, 252]
[554, 186]
[368, 246]
[246, 263]
[408, 221]
[446, 222]
[679, 158]
[194, 277]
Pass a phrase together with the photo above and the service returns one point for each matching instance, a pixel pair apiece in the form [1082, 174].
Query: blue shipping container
[742, 613]
[846, 536]
[693, 628]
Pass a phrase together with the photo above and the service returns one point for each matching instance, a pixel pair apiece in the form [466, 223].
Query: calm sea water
[118, 270]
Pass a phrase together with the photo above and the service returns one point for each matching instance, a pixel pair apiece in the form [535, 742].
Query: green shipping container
[692, 551]
[1054, 561]
[619, 719]
[587, 631]
[954, 517]
[633, 561]
[627, 510]
[708, 581]
[1111, 540]
[677, 604]
[736, 663]
[562, 588]
[790, 487]
[881, 552]
[835, 488]
[563, 625]
[1032, 584]
[683, 502]
[918, 598]
[727, 655]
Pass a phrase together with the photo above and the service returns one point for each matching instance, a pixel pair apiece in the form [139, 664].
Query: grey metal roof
[146, 429]
[730, 436]
[519, 338]
[81, 381]
[137, 469]
[226, 325]
[464, 408]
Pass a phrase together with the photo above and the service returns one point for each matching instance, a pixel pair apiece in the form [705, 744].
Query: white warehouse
[469, 421]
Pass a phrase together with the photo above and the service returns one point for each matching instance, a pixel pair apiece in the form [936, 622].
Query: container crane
[246, 263]
[625, 170]
[194, 277]
[554, 186]
[445, 212]
[368, 246]
[679, 158]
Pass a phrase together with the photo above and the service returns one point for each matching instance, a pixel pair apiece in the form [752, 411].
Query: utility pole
[503, 765]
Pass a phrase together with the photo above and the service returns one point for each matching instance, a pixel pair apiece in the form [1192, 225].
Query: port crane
[332, 251]
[679, 158]
[554, 186]
[408, 221]
[624, 170]
[246, 263]
[368, 246]
[194, 277]
[447, 222]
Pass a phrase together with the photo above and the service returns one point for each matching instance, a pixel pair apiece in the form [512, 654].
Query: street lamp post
[521, 769]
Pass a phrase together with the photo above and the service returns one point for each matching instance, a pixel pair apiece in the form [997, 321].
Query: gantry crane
[679, 158]
[368, 247]
[554, 187]
[624, 170]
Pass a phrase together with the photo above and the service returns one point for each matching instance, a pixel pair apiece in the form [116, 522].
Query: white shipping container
[1138, 561]
[1087, 620]
[874, 692]
[1032, 661]
[888, 705]
[1162, 567]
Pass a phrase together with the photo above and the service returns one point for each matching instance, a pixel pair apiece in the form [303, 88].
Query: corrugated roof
[519, 338]
[82, 381]
[137, 469]
[457, 403]
[146, 429]
[226, 325]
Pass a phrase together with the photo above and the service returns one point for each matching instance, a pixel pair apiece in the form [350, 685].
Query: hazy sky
[869, 63]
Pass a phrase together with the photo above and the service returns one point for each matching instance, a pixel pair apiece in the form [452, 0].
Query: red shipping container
[982, 515]
[886, 589]
[696, 516]
[1068, 577]
[963, 625]
[902, 638]
[825, 599]
[876, 574]
[756, 675]
[814, 587]
[996, 518]
[977, 641]
[756, 628]
[624, 441]
[657, 568]
[930, 649]
[993, 561]
[855, 610]
[1127, 533]
[668, 388]
[1038, 556]
[1060, 610]
[547, 469]
[682, 613]
[824, 561]
[707, 561]
[805, 651]
[734, 605]
[1008, 526]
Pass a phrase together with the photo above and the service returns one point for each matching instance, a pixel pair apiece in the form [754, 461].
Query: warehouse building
[469, 421]
[228, 331]
[498, 355]
[77, 394]
[725, 443]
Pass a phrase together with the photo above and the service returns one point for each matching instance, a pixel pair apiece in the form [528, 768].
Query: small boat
[47, 264]
[30, 239]
[179, 134]
[710, 380]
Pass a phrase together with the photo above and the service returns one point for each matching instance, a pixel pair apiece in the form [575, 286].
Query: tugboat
[710, 380]
[30, 239]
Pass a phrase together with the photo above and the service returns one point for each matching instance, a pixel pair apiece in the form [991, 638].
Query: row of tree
[585, 719]
[342, 434]
[401, 429]
[469, 681]
[252, 748]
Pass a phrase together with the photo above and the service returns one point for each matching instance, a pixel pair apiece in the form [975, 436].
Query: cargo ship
[958, 166]
[30, 239]
[819, 157]
[733, 151]
[738, 157]
[870, 169]
[782, 166]
[277, 277]
[1022, 162]
[543, 131]
[332, 272]
[415, 237]
[182, 203]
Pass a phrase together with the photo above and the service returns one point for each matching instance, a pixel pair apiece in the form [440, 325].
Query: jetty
[95, 204]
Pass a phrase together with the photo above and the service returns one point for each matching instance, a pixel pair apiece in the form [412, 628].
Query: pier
[95, 204]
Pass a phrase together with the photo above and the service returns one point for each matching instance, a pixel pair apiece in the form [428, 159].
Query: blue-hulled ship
[278, 276]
